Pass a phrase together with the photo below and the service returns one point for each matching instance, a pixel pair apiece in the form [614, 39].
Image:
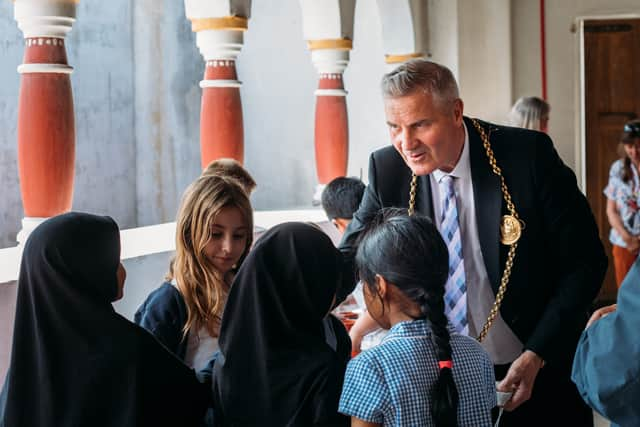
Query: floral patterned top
[627, 198]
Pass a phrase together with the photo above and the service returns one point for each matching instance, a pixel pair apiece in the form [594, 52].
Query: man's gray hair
[420, 74]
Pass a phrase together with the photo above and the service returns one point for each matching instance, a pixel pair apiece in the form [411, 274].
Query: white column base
[28, 225]
[317, 195]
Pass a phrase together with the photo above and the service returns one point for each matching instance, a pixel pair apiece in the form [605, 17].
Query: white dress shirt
[501, 343]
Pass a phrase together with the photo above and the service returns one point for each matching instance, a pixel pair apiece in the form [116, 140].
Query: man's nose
[407, 139]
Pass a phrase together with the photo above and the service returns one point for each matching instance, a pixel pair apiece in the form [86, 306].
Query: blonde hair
[529, 112]
[202, 286]
[233, 169]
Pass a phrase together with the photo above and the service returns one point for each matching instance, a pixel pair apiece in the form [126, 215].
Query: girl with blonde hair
[214, 231]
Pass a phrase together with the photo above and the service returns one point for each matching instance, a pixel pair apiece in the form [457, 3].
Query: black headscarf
[276, 367]
[75, 361]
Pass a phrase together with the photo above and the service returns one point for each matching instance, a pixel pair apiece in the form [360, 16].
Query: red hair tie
[445, 364]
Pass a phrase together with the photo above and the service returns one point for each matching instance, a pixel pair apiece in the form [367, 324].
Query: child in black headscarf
[283, 356]
[75, 361]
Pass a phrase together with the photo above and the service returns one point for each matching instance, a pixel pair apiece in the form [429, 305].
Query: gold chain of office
[510, 227]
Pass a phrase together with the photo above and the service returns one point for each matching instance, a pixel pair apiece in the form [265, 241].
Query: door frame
[581, 117]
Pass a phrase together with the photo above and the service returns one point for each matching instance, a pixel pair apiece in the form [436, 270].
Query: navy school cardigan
[164, 314]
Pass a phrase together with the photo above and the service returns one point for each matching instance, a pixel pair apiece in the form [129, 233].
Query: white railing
[141, 241]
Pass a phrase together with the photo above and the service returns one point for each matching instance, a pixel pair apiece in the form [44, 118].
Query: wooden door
[612, 97]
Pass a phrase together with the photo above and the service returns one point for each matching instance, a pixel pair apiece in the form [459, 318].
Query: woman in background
[530, 112]
[623, 200]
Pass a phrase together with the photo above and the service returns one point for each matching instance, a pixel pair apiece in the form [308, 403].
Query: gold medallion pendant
[510, 229]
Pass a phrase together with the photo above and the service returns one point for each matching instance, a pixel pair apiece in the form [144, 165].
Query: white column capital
[330, 61]
[45, 18]
[220, 44]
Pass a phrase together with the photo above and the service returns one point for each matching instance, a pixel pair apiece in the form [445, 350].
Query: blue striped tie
[455, 296]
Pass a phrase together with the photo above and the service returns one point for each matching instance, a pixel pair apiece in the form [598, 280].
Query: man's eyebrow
[420, 122]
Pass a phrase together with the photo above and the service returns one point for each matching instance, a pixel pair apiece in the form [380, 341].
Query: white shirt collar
[463, 167]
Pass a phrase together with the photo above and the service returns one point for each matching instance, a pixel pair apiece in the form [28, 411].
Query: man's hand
[520, 379]
[601, 312]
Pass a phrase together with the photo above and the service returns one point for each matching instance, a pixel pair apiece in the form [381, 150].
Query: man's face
[427, 134]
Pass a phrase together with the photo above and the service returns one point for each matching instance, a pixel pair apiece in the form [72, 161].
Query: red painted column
[221, 125]
[46, 130]
[331, 128]
[220, 40]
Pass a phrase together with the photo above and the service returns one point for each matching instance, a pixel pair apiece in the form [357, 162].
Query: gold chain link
[412, 194]
[512, 210]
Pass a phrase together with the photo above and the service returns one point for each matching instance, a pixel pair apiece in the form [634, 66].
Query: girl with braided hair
[423, 373]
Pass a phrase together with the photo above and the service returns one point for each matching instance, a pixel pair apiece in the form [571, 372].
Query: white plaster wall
[484, 73]
[443, 33]
[11, 50]
[525, 49]
[99, 47]
[563, 84]
[167, 68]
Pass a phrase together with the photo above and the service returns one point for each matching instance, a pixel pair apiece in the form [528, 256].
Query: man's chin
[421, 169]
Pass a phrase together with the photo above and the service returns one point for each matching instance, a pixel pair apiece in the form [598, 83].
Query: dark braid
[445, 393]
[410, 253]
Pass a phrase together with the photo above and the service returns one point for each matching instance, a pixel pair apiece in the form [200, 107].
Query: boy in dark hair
[340, 199]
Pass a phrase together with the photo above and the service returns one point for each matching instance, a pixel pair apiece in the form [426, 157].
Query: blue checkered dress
[390, 384]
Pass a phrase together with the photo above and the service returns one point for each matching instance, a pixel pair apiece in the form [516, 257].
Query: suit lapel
[424, 204]
[488, 204]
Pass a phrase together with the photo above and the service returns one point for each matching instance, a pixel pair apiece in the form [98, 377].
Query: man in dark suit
[558, 262]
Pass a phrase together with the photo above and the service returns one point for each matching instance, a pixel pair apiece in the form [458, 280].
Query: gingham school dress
[390, 384]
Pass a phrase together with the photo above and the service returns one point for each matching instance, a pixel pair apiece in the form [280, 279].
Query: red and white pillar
[331, 121]
[46, 129]
[328, 29]
[219, 27]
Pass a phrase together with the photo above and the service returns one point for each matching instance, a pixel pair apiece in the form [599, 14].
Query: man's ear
[458, 111]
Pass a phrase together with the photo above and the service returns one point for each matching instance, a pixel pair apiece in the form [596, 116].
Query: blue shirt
[626, 195]
[606, 366]
[390, 384]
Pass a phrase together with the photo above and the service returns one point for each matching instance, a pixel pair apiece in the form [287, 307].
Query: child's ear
[341, 224]
[382, 285]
